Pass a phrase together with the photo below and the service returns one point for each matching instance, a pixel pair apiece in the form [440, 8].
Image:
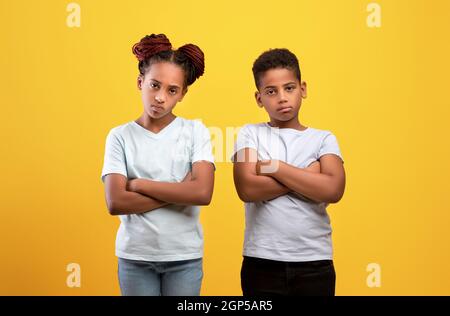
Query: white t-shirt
[172, 232]
[289, 228]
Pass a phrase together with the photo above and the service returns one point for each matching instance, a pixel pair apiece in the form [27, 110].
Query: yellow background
[382, 91]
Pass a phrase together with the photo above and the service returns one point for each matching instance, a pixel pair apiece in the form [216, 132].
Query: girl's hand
[132, 185]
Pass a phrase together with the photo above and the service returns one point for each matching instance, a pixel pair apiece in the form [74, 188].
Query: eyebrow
[170, 86]
[286, 84]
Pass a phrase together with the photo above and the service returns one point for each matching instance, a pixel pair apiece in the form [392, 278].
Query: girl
[157, 170]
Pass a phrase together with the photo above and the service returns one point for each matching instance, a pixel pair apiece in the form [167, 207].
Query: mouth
[156, 108]
[285, 109]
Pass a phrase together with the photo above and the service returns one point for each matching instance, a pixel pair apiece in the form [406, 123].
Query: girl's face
[162, 88]
[281, 94]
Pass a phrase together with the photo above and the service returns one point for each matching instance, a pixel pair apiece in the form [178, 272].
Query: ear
[303, 89]
[140, 81]
[258, 99]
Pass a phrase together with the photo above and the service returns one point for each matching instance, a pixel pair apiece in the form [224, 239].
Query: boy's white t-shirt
[289, 228]
[172, 232]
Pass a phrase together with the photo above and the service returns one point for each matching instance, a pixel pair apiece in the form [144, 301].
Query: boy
[287, 174]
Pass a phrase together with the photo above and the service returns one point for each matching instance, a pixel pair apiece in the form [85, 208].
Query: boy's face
[162, 88]
[280, 93]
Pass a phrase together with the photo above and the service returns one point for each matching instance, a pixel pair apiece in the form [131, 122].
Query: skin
[280, 93]
[162, 87]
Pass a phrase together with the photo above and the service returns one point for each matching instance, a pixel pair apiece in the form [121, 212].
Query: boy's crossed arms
[322, 181]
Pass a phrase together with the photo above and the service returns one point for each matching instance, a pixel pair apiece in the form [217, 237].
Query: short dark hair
[275, 58]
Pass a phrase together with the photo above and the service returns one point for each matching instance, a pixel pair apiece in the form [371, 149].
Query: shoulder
[121, 131]
[327, 143]
[320, 134]
[199, 126]
[194, 126]
[195, 123]
[253, 128]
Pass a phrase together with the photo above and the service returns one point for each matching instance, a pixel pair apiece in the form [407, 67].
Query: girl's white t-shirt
[289, 228]
[172, 232]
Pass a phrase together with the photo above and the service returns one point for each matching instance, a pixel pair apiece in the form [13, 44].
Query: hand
[267, 167]
[132, 185]
[314, 168]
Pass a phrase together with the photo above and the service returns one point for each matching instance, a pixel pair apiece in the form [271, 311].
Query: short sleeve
[330, 145]
[245, 139]
[202, 149]
[114, 160]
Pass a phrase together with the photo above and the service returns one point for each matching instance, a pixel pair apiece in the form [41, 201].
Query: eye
[173, 91]
[270, 91]
[290, 88]
[154, 85]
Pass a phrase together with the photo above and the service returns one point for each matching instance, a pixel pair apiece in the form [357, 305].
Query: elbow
[242, 189]
[335, 196]
[333, 200]
[245, 195]
[113, 208]
[245, 198]
[204, 198]
[335, 192]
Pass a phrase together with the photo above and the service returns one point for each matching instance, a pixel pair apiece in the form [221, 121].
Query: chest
[163, 159]
[292, 149]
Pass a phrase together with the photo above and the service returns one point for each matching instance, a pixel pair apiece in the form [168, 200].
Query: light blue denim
[173, 278]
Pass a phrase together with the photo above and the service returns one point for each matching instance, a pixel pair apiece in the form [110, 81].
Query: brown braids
[151, 45]
[157, 48]
[195, 54]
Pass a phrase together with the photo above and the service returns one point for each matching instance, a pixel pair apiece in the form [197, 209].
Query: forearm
[184, 193]
[255, 188]
[316, 186]
[127, 203]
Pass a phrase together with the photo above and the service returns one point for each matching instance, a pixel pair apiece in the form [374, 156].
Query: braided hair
[157, 48]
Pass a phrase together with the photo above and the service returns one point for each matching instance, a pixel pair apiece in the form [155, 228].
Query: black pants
[262, 277]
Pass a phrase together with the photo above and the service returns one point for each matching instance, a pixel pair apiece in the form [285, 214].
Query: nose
[160, 98]
[282, 97]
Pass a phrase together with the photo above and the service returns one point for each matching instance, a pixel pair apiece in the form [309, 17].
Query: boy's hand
[315, 168]
[267, 167]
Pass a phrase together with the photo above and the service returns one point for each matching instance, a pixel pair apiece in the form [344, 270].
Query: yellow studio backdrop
[378, 82]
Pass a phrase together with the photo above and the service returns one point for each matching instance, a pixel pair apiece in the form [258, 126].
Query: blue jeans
[172, 278]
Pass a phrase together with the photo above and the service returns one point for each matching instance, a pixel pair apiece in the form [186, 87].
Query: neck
[155, 124]
[292, 123]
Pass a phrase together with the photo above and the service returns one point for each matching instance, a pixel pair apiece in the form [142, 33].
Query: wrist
[136, 186]
[268, 167]
[278, 167]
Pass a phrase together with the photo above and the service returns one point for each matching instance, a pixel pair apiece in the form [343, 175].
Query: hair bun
[196, 56]
[151, 45]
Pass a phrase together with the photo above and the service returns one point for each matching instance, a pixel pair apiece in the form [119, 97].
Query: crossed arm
[322, 181]
[124, 197]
